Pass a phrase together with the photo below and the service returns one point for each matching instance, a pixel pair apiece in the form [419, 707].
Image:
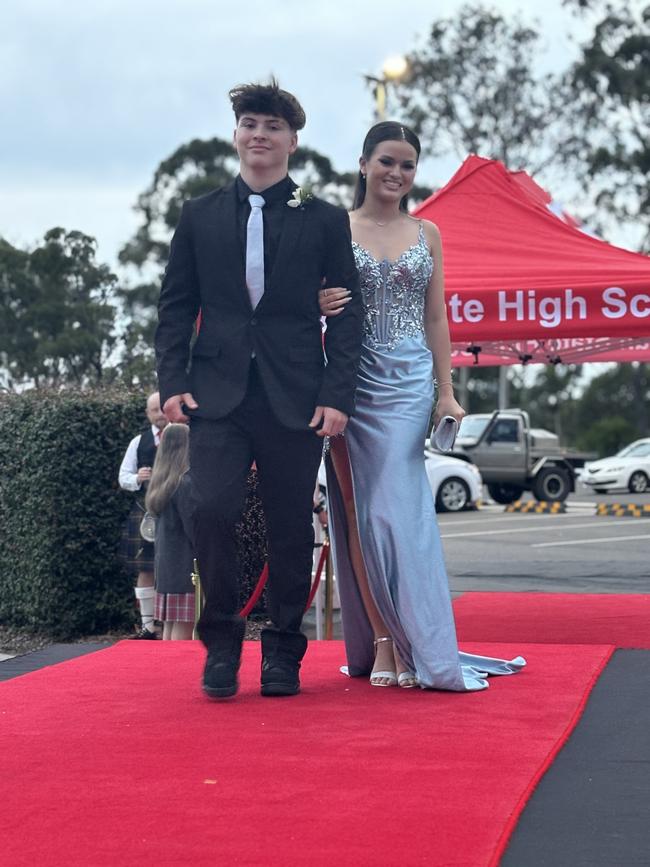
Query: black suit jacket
[206, 271]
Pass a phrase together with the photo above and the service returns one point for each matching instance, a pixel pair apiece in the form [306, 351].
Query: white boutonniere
[300, 198]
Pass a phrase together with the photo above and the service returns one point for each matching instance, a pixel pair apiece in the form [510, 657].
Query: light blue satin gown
[395, 510]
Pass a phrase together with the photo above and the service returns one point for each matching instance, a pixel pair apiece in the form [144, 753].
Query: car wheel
[504, 494]
[638, 483]
[551, 484]
[453, 495]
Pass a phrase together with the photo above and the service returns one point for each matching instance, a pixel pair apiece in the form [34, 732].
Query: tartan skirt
[135, 552]
[177, 607]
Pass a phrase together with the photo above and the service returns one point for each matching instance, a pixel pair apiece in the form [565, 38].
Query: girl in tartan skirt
[168, 499]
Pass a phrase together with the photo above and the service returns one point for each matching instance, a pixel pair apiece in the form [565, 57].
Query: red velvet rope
[261, 583]
[319, 571]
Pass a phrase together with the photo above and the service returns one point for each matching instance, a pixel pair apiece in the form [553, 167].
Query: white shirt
[128, 477]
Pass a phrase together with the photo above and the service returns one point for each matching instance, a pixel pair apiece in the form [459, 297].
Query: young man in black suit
[251, 257]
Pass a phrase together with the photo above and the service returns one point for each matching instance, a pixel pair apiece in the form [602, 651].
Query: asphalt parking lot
[576, 551]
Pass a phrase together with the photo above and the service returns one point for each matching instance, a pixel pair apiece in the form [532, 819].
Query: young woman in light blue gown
[398, 621]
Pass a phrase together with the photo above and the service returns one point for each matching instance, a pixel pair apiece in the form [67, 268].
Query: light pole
[393, 70]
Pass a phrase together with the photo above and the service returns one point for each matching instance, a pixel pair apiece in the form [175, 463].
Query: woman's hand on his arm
[332, 300]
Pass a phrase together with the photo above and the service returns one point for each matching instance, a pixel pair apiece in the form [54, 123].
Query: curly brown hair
[267, 99]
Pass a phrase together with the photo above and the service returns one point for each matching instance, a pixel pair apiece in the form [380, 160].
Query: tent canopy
[515, 273]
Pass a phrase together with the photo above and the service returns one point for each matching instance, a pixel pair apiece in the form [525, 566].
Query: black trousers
[221, 453]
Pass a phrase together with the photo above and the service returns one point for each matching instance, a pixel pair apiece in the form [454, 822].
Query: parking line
[516, 519]
[589, 541]
[592, 523]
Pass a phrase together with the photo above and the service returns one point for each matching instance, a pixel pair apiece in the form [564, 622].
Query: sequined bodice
[394, 293]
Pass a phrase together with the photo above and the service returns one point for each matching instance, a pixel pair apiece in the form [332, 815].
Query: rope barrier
[261, 582]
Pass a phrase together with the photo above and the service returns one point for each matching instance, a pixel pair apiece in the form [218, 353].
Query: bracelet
[446, 382]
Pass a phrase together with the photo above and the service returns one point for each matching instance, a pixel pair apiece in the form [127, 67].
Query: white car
[629, 470]
[455, 484]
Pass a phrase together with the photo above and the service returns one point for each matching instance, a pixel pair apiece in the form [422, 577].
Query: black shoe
[223, 642]
[280, 677]
[145, 635]
[220, 676]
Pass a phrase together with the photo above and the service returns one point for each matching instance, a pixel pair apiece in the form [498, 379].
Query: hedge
[62, 511]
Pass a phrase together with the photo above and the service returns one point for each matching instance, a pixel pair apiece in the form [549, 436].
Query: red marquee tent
[525, 285]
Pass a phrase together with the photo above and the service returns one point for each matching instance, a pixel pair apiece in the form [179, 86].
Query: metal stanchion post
[198, 598]
[320, 536]
[329, 597]
[318, 599]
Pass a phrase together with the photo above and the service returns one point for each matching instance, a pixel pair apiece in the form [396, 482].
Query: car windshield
[471, 426]
[638, 450]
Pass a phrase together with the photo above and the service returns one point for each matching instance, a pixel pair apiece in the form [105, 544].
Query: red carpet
[116, 758]
[555, 618]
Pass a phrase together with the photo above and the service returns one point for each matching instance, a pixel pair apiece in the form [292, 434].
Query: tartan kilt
[135, 552]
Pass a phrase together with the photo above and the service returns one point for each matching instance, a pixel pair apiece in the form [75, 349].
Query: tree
[57, 312]
[552, 398]
[193, 169]
[611, 120]
[613, 409]
[473, 88]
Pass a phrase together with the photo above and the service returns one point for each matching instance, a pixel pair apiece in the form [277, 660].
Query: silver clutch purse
[443, 437]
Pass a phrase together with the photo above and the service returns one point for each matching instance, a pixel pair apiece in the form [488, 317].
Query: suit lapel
[291, 229]
[227, 241]
[220, 246]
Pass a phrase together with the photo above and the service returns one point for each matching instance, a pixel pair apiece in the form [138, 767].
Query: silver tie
[255, 250]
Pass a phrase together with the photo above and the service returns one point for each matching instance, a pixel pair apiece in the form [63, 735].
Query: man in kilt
[137, 553]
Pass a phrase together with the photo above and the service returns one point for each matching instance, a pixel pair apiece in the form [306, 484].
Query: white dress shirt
[128, 477]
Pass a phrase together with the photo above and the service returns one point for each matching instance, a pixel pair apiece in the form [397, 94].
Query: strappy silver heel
[407, 679]
[390, 676]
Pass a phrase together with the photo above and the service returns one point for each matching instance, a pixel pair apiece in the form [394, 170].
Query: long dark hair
[387, 130]
[172, 462]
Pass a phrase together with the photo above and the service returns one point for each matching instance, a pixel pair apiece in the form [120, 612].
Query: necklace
[381, 223]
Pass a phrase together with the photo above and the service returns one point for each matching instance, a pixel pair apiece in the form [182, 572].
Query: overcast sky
[95, 94]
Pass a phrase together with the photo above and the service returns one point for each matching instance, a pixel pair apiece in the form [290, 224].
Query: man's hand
[333, 421]
[144, 474]
[173, 407]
